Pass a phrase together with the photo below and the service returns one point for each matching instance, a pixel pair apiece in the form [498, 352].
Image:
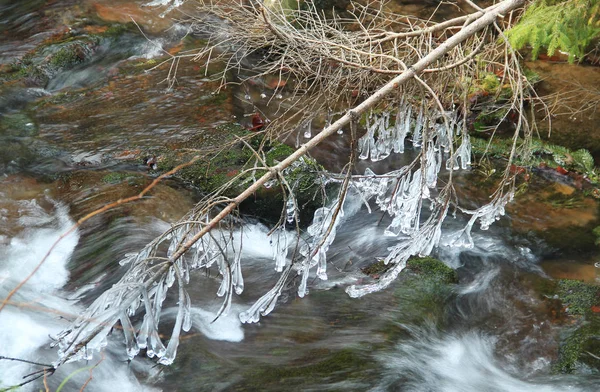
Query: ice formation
[410, 196]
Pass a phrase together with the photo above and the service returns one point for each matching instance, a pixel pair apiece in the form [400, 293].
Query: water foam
[455, 363]
[38, 310]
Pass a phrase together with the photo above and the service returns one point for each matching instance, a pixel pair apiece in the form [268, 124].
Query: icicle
[401, 128]
[142, 337]
[129, 333]
[281, 248]
[406, 205]
[236, 273]
[367, 142]
[420, 243]
[187, 313]
[417, 132]
[463, 238]
[169, 354]
[463, 152]
[322, 264]
[304, 270]
[224, 287]
[308, 130]
[434, 161]
[266, 303]
[128, 258]
[170, 277]
[270, 183]
[290, 209]
[487, 215]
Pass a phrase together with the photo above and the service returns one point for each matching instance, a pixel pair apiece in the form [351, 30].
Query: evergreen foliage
[565, 25]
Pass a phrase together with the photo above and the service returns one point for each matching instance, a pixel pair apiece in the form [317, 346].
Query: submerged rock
[578, 313]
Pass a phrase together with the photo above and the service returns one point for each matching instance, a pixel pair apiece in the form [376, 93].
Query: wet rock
[576, 308]
[85, 191]
[20, 197]
[579, 349]
[230, 158]
[567, 268]
[575, 128]
[578, 297]
[17, 125]
[124, 12]
[433, 269]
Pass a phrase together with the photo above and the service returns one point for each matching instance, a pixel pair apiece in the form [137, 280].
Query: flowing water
[64, 134]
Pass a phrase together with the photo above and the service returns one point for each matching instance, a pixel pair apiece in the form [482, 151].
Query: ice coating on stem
[322, 232]
[279, 242]
[266, 303]
[146, 283]
[402, 194]
[420, 243]
[290, 209]
[486, 215]
[381, 138]
[463, 153]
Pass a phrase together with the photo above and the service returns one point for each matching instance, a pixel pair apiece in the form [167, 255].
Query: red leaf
[561, 170]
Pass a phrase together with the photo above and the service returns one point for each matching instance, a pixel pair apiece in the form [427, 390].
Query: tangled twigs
[330, 64]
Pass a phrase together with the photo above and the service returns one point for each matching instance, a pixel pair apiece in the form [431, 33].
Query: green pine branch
[568, 26]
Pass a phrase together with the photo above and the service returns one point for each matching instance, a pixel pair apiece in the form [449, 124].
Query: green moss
[433, 269]
[212, 173]
[546, 288]
[215, 98]
[278, 152]
[596, 233]
[532, 76]
[66, 57]
[538, 152]
[576, 346]
[490, 83]
[579, 297]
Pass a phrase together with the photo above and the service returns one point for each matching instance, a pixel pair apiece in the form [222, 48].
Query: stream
[75, 136]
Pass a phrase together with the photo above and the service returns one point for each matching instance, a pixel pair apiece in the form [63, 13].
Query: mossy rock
[580, 344]
[44, 62]
[578, 352]
[577, 296]
[422, 293]
[432, 269]
[428, 268]
[17, 125]
[214, 172]
[15, 152]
